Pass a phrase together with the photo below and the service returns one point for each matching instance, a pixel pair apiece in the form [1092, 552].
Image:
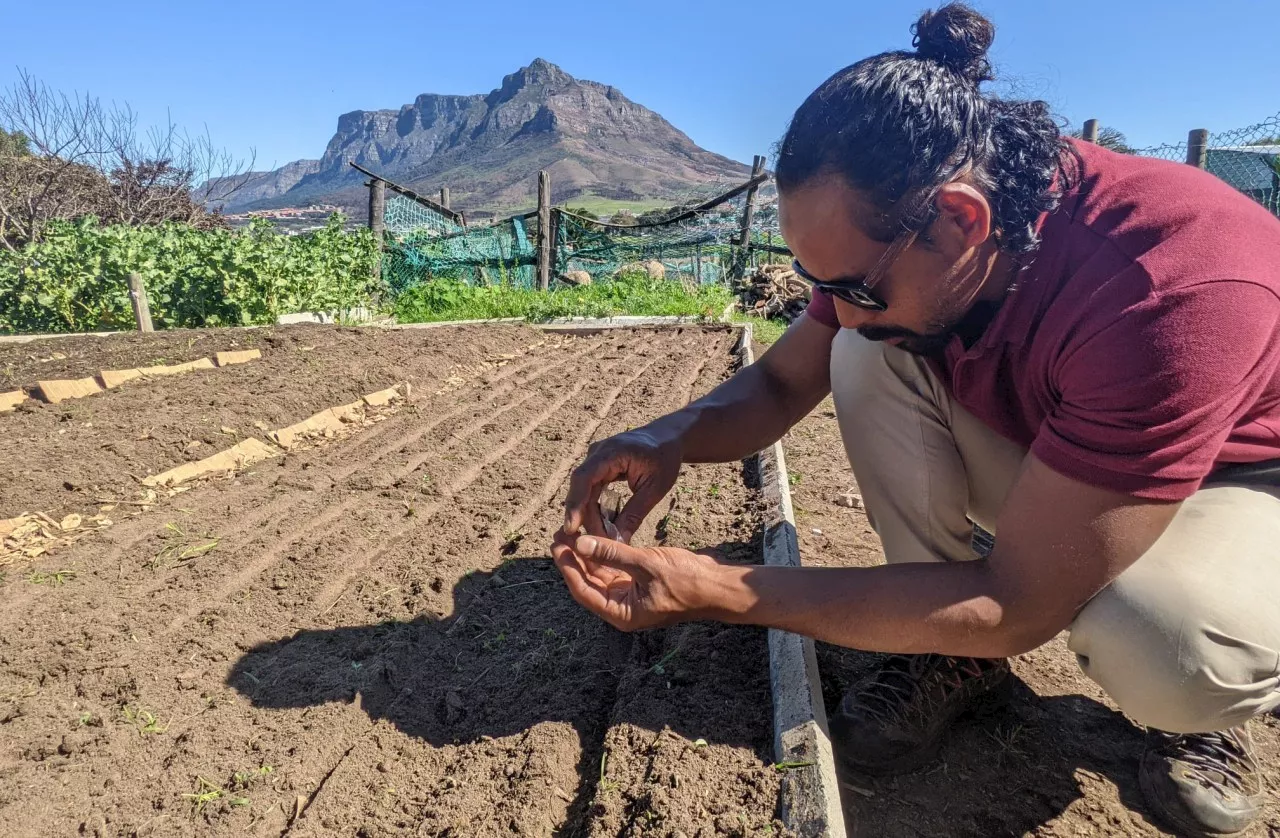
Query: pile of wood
[774, 291]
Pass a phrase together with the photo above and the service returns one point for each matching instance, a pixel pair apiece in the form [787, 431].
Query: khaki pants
[1186, 640]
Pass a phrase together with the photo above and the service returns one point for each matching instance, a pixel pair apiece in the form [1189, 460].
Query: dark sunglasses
[857, 292]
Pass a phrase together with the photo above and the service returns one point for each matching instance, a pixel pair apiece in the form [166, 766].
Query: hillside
[488, 149]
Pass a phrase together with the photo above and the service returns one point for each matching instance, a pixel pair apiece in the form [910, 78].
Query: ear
[964, 219]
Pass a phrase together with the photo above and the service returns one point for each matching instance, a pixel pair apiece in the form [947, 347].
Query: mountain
[488, 149]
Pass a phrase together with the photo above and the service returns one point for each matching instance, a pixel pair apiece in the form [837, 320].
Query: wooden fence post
[377, 219]
[697, 263]
[1197, 147]
[141, 308]
[545, 241]
[1090, 132]
[444, 197]
[748, 214]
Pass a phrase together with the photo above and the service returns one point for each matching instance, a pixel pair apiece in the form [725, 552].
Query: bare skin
[1061, 541]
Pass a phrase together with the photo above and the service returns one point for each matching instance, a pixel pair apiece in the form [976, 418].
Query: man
[1074, 349]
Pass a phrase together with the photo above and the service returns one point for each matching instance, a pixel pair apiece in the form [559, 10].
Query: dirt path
[1062, 761]
[365, 637]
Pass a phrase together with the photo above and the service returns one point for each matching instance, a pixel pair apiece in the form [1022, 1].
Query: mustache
[879, 333]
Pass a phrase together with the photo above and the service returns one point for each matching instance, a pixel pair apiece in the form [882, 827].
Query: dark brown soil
[1062, 761]
[376, 643]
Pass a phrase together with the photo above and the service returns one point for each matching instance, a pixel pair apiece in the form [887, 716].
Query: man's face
[927, 289]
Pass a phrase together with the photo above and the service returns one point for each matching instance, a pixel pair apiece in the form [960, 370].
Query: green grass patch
[632, 295]
[765, 331]
[608, 206]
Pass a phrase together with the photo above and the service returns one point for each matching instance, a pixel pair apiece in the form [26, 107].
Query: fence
[703, 242]
[708, 240]
[1246, 158]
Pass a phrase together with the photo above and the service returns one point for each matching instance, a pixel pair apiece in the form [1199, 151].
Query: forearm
[950, 608]
[748, 412]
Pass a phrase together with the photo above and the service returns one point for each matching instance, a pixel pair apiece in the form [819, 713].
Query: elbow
[1003, 630]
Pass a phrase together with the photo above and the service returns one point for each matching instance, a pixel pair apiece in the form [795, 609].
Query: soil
[1061, 761]
[366, 637]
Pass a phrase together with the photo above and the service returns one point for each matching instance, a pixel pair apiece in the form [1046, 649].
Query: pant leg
[924, 465]
[1188, 638]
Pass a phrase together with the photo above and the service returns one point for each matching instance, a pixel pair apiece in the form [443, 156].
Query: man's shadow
[515, 651]
[1007, 774]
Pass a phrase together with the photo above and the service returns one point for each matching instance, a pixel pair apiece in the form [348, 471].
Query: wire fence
[1246, 158]
[700, 240]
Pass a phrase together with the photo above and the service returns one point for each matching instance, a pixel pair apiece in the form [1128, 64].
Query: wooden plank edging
[810, 794]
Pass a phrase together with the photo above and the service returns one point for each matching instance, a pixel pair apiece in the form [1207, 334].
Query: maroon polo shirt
[1139, 349]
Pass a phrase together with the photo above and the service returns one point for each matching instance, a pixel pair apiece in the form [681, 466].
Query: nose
[852, 317]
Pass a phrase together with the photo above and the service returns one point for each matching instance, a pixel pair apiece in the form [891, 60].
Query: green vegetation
[632, 294]
[763, 331]
[76, 277]
[605, 207]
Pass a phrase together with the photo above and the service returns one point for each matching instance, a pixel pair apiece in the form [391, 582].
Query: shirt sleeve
[823, 309]
[1148, 400]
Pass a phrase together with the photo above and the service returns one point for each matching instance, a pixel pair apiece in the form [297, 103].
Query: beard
[932, 342]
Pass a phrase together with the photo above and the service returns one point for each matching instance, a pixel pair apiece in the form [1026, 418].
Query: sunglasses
[858, 292]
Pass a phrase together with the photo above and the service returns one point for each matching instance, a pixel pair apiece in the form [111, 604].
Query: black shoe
[1202, 784]
[895, 720]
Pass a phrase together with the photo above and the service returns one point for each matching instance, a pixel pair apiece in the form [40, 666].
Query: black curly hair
[901, 124]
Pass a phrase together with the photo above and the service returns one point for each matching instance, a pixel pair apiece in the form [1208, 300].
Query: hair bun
[958, 38]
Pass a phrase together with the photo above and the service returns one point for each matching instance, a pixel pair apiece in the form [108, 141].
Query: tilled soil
[1062, 761]
[375, 643]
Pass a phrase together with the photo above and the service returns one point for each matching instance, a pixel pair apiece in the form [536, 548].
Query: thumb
[612, 553]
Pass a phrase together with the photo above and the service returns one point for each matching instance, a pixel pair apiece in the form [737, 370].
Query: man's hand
[648, 459]
[633, 587]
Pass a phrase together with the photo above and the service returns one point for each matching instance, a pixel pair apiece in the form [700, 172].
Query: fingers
[615, 554]
[589, 595]
[637, 508]
[582, 501]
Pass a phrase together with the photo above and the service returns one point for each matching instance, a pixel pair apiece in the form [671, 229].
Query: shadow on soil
[515, 650]
[1009, 774]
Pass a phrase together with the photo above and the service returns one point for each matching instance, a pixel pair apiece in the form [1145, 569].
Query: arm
[751, 410]
[775, 392]
[1060, 542]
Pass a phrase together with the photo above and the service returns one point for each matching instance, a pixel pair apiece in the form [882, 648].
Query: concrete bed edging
[810, 794]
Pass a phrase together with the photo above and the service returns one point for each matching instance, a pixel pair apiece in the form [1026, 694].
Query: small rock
[191, 446]
[279, 583]
[816, 531]
[382, 767]
[509, 771]
[562, 794]
[849, 500]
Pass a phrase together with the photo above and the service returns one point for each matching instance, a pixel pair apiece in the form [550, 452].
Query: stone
[655, 269]
[576, 278]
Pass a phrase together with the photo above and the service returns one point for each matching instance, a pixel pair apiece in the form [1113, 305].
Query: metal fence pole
[1090, 132]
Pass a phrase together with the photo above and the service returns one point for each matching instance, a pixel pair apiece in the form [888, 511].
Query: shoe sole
[979, 708]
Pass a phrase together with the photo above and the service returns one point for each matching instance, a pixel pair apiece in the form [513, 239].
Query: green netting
[422, 245]
[1247, 159]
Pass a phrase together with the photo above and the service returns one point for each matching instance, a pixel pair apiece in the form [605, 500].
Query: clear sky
[276, 75]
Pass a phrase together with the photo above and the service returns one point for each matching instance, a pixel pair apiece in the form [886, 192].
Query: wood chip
[239, 456]
[178, 369]
[226, 359]
[387, 396]
[114, 378]
[325, 424]
[63, 389]
[10, 400]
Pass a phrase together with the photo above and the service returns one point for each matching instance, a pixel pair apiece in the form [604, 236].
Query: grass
[764, 331]
[144, 720]
[631, 295]
[54, 579]
[608, 206]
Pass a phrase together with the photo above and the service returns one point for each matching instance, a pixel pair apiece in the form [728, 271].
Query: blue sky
[276, 75]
